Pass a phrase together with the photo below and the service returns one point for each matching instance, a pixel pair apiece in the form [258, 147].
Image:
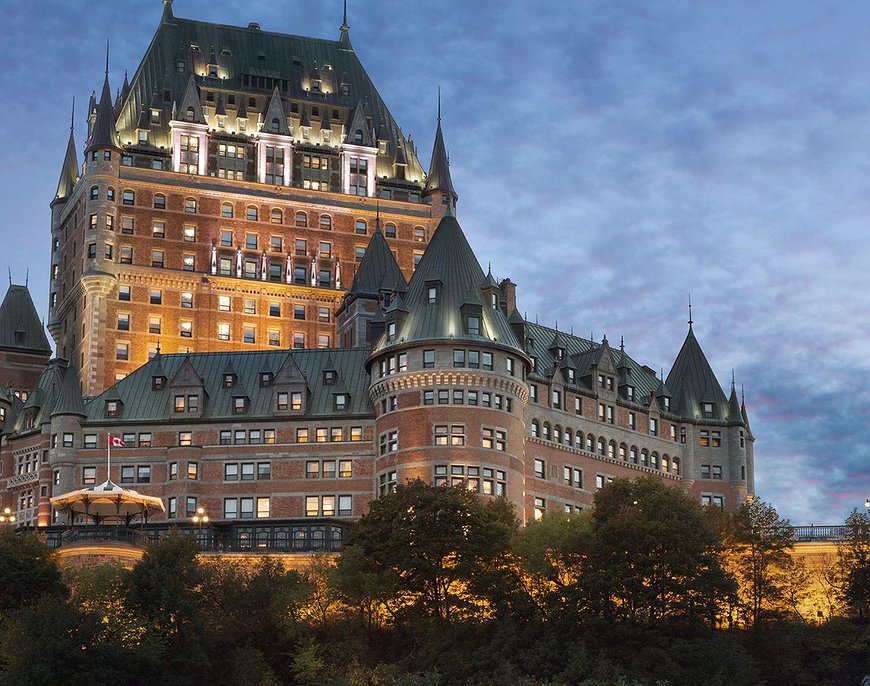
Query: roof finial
[742, 395]
[158, 346]
[377, 214]
[557, 325]
[733, 384]
[439, 104]
[344, 22]
[72, 116]
[622, 343]
[690, 311]
[10, 275]
[27, 278]
[107, 58]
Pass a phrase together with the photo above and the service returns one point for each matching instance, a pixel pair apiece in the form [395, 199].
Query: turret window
[473, 325]
[95, 192]
[708, 410]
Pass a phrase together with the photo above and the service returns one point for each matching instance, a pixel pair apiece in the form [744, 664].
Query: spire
[735, 414]
[167, 12]
[69, 173]
[438, 178]
[69, 396]
[344, 40]
[690, 311]
[103, 134]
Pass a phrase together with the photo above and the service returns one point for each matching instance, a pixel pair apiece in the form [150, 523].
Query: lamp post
[199, 519]
[7, 518]
[867, 503]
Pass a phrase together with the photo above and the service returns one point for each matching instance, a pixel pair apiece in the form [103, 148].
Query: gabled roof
[358, 123]
[191, 99]
[44, 395]
[20, 328]
[275, 111]
[143, 403]
[449, 261]
[693, 380]
[377, 268]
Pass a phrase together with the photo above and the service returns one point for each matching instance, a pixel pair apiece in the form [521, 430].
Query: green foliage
[855, 563]
[28, 572]
[437, 547]
[759, 543]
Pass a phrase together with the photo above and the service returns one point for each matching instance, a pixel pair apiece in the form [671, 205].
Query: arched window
[227, 210]
[644, 458]
[361, 227]
[666, 463]
[546, 434]
[189, 114]
[654, 460]
[325, 222]
[390, 230]
[277, 216]
[632, 454]
[602, 446]
[190, 205]
[578, 440]
[159, 201]
[611, 450]
[301, 219]
[590, 443]
[251, 213]
[623, 452]
[275, 126]
[569, 437]
[128, 197]
[110, 193]
[675, 465]
[557, 433]
[95, 192]
[536, 428]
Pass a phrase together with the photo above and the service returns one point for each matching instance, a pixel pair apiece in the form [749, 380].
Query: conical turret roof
[450, 264]
[438, 178]
[693, 379]
[69, 396]
[69, 173]
[377, 267]
[104, 135]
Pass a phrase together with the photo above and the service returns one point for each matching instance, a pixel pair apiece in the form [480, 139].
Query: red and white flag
[116, 442]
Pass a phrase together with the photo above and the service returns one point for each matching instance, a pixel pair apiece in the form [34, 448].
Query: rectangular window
[540, 469]
[389, 442]
[192, 471]
[185, 438]
[231, 508]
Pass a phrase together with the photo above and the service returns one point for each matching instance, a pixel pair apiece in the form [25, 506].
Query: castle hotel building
[257, 286]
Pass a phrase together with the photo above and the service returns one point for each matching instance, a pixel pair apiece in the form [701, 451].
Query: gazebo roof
[108, 500]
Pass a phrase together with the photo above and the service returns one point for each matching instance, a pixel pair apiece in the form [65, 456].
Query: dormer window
[391, 331]
[275, 125]
[666, 403]
[708, 410]
[158, 383]
[213, 70]
[328, 377]
[240, 405]
[265, 379]
[155, 116]
[629, 392]
[113, 409]
[559, 352]
[571, 376]
[341, 401]
[315, 86]
[472, 323]
[229, 380]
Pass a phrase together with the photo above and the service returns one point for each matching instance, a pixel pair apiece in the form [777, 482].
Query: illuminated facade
[273, 346]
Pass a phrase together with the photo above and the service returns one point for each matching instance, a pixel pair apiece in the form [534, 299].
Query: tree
[759, 543]
[164, 592]
[28, 571]
[654, 556]
[440, 547]
[854, 552]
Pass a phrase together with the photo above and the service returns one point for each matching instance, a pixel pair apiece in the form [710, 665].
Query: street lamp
[7, 518]
[866, 504]
[199, 519]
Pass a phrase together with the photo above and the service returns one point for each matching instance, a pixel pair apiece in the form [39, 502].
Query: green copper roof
[20, 328]
[69, 396]
[377, 270]
[246, 57]
[140, 402]
[451, 267]
[694, 382]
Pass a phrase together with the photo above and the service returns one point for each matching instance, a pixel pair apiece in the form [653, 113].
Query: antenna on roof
[27, 277]
[690, 311]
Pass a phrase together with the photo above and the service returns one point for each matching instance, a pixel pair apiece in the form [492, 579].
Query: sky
[611, 158]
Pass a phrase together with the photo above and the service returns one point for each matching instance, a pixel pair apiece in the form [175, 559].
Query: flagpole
[109, 457]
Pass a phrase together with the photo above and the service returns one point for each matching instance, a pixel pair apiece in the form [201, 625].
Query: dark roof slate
[438, 178]
[693, 380]
[104, 134]
[20, 328]
[69, 173]
[378, 268]
[142, 403]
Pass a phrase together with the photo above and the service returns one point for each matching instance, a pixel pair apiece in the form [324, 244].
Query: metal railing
[93, 534]
[814, 532]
